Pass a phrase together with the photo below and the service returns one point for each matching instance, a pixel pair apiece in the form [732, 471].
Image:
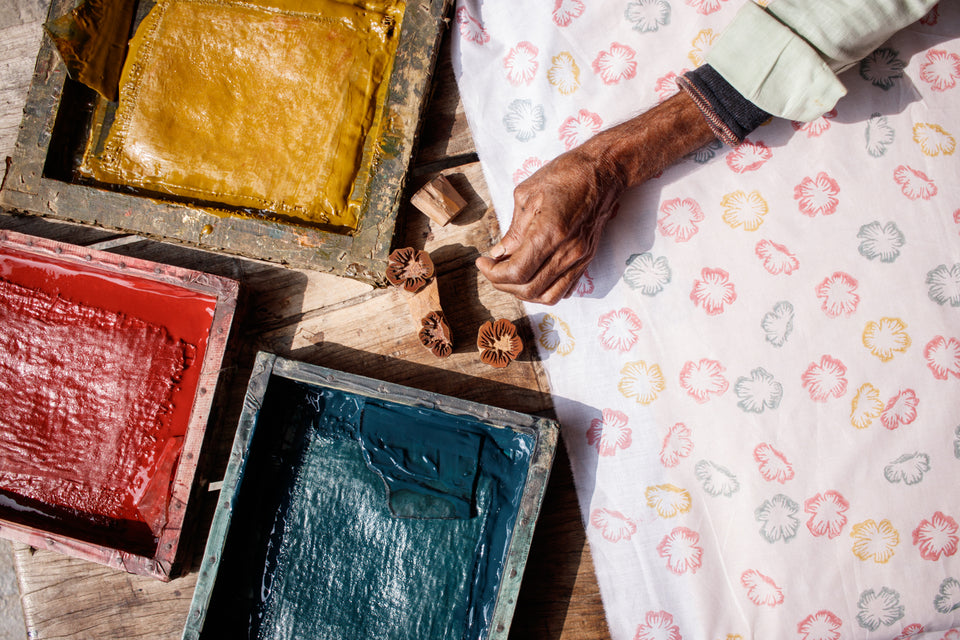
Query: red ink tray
[108, 367]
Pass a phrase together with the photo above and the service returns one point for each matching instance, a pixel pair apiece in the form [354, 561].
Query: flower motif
[948, 598]
[943, 357]
[619, 329]
[716, 480]
[527, 169]
[647, 274]
[713, 291]
[827, 514]
[873, 541]
[435, 334]
[779, 519]
[815, 128]
[641, 382]
[470, 27]
[677, 444]
[826, 379]
[933, 139]
[616, 64]
[705, 7]
[936, 537]
[658, 625]
[879, 135]
[866, 406]
[908, 468]
[524, 119]
[817, 195]
[667, 86]
[521, 64]
[776, 258]
[701, 43]
[498, 343]
[576, 130]
[941, 70]
[882, 242]
[944, 283]
[681, 550]
[882, 67]
[555, 335]
[822, 625]
[613, 525]
[701, 379]
[901, 409]
[648, 16]
[914, 184]
[744, 209]
[773, 465]
[837, 294]
[877, 609]
[584, 284]
[668, 500]
[886, 338]
[749, 156]
[777, 324]
[565, 11]
[761, 590]
[706, 153]
[409, 269]
[678, 218]
[758, 392]
[610, 433]
[911, 630]
[564, 73]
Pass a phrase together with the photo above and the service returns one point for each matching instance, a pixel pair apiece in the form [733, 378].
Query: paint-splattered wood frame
[161, 564]
[268, 366]
[38, 182]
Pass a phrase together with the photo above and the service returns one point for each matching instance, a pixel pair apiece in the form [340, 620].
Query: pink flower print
[677, 444]
[565, 11]
[613, 525]
[679, 218]
[470, 27]
[527, 169]
[915, 629]
[576, 130]
[667, 86]
[776, 258]
[705, 7]
[616, 64]
[713, 291]
[773, 465]
[619, 329]
[749, 156]
[815, 127]
[610, 433]
[943, 357]
[761, 590]
[681, 550]
[901, 409]
[914, 184]
[827, 514]
[521, 64]
[701, 379]
[886, 338]
[817, 195]
[584, 285]
[822, 625]
[941, 69]
[838, 294]
[936, 537]
[658, 625]
[826, 379]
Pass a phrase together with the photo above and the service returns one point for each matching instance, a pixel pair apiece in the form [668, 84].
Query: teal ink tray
[354, 508]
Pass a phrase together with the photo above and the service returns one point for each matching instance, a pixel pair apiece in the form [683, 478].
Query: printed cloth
[759, 375]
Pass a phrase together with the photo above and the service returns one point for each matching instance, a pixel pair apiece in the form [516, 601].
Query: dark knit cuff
[729, 114]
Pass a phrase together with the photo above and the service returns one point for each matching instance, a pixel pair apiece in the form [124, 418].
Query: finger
[557, 274]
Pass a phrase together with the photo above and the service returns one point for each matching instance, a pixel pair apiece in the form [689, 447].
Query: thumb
[507, 246]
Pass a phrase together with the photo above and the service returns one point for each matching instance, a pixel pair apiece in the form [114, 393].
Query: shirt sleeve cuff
[731, 116]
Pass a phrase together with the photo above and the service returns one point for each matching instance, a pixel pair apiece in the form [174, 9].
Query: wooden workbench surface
[335, 322]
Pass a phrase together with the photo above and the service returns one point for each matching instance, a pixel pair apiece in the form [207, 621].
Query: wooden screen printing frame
[32, 186]
[225, 292]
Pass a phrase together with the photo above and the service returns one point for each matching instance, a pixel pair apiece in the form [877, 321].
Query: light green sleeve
[784, 58]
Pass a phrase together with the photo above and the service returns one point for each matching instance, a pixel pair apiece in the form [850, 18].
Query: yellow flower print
[933, 139]
[668, 500]
[873, 541]
[564, 73]
[555, 335]
[885, 338]
[866, 406]
[641, 381]
[744, 209]
[701, 44]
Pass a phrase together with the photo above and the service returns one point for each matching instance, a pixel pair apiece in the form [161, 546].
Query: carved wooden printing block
[413, 271]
